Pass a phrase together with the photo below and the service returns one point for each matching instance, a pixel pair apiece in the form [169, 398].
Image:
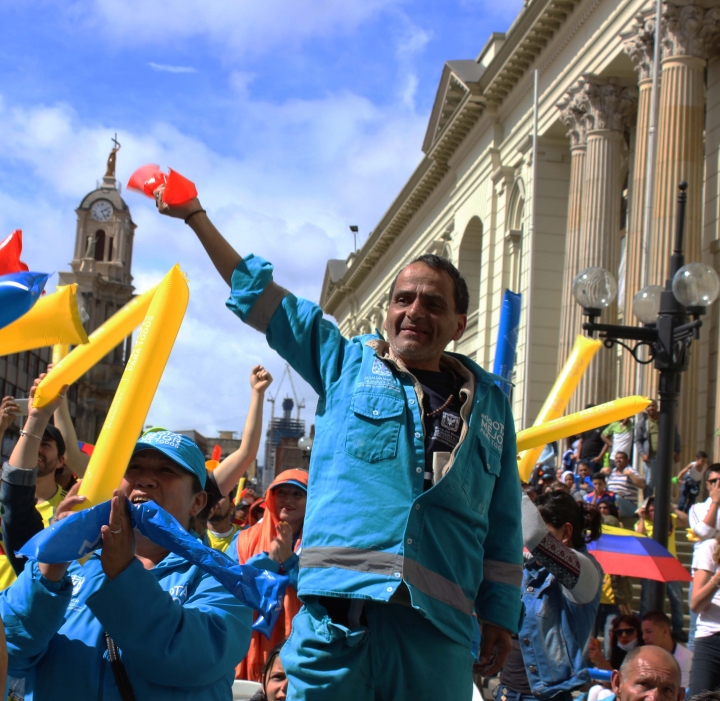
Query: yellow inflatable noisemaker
[136, 390]
[55, 318]
[582, 353]
[76, 363]
[584, 420]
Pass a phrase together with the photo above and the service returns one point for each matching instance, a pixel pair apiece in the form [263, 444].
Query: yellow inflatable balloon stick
[73, 366]
[60, 350]
[136, 390]
[584, 420]
[582, 353]
[55, 318]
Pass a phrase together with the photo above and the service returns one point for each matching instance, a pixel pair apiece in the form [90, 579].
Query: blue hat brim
[296, 483]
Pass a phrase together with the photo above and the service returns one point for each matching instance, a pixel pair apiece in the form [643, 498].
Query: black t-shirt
[513, 674]
[592, 443]
[441, 407]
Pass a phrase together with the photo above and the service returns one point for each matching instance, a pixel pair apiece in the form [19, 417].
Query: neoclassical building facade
[473, 199]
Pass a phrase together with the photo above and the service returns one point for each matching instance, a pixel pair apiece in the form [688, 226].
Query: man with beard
[221, 530]
[413, 514]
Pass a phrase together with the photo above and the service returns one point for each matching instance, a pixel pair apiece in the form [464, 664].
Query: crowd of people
[414, 557]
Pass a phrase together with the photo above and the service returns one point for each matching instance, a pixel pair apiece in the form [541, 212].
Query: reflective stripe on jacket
[369, 527]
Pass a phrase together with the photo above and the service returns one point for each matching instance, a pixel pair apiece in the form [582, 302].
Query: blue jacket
[179, 632]
[369, 527]
[554, 633]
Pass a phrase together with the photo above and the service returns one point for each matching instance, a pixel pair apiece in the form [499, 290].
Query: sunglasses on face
[714, 481]
[625, 631]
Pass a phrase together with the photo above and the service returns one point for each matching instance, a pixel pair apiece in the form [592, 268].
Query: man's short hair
[657, 617]
[599, 476]
[715, 467]
[54, 434]
[438, 263]
[622, 452]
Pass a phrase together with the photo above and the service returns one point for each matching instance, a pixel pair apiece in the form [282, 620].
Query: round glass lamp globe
[305, 443]
[696, 285]
[646, 304]
[594, 288]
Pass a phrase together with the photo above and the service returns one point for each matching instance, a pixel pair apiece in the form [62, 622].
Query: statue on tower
[110, 173]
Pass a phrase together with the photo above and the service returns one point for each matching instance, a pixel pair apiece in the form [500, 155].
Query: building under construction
[281, 447]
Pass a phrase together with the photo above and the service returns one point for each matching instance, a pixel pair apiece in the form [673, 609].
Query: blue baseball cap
[180, 449]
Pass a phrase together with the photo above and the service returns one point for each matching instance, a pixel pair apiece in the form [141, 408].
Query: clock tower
[101, 267]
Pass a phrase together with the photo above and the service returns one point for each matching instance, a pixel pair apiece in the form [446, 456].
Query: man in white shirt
[656, 631]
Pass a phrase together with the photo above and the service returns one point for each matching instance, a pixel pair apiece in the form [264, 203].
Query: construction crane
[299, 403]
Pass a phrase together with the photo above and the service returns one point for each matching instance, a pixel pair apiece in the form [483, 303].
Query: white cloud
[241, 27]
[165, 68]
[296, 176]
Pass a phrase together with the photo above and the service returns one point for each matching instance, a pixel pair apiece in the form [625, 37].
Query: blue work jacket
[370, 530]
[554, 633]
[179, 632]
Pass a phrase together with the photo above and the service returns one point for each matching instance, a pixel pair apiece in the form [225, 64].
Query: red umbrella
[623, 552]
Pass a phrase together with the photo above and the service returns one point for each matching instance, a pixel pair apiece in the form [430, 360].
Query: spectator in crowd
[609, 513]
[592, 447]
[704, 521]
[167, 626]
[583, 479]
[648, 673]
[569, 457]
[530, 491]
[645, 525]
[705, 601]
[619, 436]
[625, 634]
[396, 417]
[691, 478]
[240, 514]
[646, 442]
[221, 530]
[656, 630]
[561, 591]
[600, 491]
[9, 412]
[624, 481]
[546, 477]
[272, 545]
[274, 679]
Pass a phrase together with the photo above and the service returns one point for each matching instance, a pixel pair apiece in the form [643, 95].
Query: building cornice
[533, 28]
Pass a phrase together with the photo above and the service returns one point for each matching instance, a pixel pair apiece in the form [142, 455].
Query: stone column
[572, 113]
[608, 104]
[639, 44]
[688, 32]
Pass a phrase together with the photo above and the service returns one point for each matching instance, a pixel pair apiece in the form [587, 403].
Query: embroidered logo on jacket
[77, 582]
[494, 431]
[379, 368]
[450, 421]
[179, 593]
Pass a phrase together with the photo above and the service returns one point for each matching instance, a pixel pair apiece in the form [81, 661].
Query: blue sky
[295, 118]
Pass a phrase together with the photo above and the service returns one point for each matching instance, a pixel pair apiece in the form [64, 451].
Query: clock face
[102, 210]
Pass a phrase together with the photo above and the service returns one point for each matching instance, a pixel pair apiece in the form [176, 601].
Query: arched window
[513, 238]
[110, 248]
[469, 260]
[99, 245]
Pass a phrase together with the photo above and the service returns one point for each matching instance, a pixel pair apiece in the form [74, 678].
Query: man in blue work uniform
[413, 517]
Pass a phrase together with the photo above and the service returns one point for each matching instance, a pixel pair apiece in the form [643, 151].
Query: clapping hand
[281, 547]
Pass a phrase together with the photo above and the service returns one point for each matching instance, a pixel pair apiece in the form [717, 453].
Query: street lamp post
[667, 333]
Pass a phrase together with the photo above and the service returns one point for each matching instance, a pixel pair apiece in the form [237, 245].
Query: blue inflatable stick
[507, 339]
[18, 293]
[77, 535]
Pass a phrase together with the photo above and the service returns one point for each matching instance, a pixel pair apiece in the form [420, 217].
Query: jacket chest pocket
[482, 472]
[373, 426]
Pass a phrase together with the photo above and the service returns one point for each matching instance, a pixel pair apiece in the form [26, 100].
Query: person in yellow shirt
[221, 530]
[645, 524]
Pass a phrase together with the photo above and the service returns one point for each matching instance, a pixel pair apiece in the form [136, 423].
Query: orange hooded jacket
[254, 540]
